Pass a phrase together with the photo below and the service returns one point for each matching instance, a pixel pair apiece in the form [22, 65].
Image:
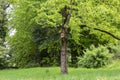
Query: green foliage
[22, 46]
[115, 64]
[3, 58]
[114, 49]
[95, 57]
[100, 14]
[38, 27]
[3, 31]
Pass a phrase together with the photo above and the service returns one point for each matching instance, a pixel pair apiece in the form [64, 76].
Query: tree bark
[64, 69]
[66, 15]
[65, 20]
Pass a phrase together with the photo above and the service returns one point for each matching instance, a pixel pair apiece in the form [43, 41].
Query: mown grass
[53, 73]
[111, 72]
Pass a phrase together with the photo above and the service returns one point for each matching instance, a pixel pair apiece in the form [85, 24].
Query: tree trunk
[63, 52]
[66, 15]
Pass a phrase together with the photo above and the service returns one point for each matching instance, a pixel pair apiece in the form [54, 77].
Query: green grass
[53, 73]
[111, 72]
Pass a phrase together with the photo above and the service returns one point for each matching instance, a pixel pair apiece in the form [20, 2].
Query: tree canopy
[3, 32]
[38, 26]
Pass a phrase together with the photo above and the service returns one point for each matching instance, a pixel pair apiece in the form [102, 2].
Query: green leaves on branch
[38, 26]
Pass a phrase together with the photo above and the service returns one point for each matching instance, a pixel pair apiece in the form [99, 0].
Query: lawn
[53, 73]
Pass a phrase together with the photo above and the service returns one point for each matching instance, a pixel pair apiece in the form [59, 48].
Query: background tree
[38, 28]
[3, 31]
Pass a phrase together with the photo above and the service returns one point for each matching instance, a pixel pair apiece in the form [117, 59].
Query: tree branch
[107, 33]
[112, 35]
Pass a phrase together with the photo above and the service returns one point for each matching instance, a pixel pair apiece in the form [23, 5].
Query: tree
[3, 31]
[35, 36]
[3, 6]
[79, 28]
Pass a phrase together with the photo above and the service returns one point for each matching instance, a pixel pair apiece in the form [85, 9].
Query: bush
[95, 57]
[115, 50]
[3, 58]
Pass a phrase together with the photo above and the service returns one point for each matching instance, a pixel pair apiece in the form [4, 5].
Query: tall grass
[53, 73]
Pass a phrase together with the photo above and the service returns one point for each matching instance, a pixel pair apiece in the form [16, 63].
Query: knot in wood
[62, 35]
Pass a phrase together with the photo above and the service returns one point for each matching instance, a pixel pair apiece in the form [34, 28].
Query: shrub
[95, 57]
[115, 50]
[3, 58]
